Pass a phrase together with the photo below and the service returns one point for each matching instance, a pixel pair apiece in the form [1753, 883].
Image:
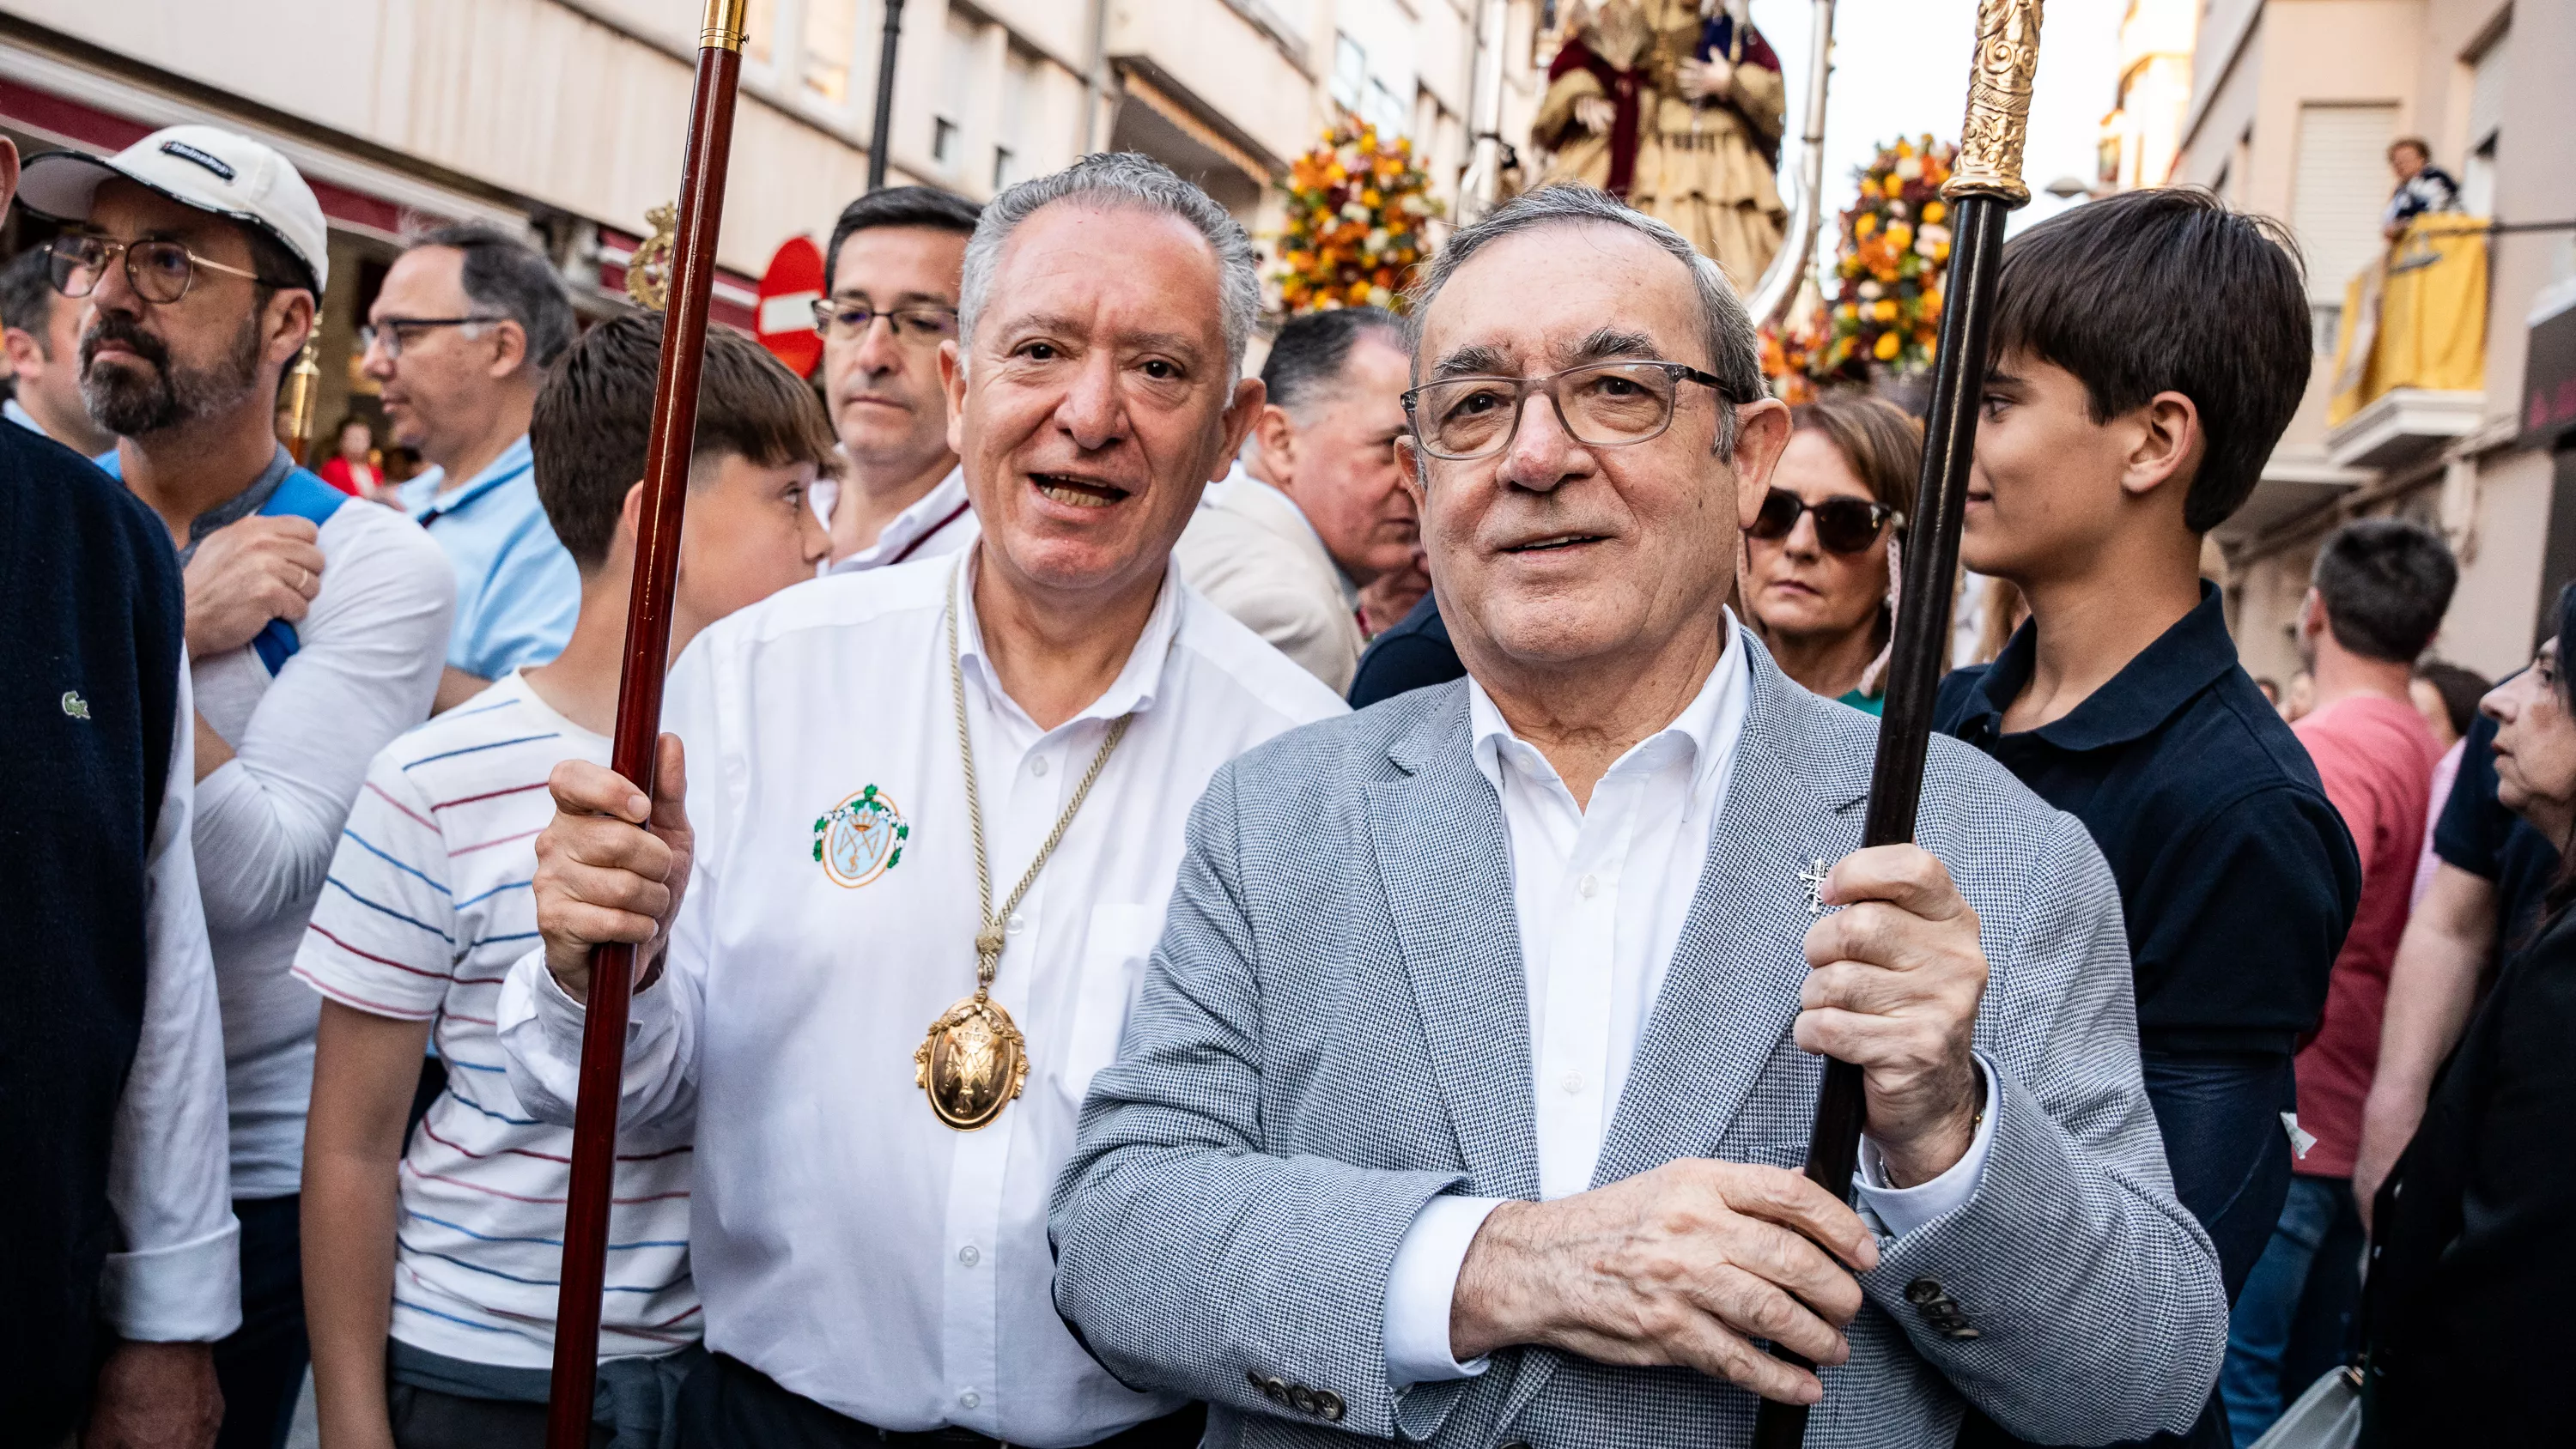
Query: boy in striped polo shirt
[450, 1248]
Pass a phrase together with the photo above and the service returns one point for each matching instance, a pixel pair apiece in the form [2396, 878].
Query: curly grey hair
[1734, 352]
[1121, 179]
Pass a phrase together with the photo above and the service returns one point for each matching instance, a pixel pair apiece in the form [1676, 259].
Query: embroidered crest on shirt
[861, 838]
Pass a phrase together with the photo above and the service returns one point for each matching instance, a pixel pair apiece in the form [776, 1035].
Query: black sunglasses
[1843, 525]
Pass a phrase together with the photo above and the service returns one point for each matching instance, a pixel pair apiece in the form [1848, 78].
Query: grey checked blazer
[1335, 1029]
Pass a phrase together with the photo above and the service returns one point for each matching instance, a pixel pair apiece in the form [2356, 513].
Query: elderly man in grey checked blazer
[1465, 1095]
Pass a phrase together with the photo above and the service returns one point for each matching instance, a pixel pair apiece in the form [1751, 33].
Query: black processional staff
[1982, 188]
[689, 278]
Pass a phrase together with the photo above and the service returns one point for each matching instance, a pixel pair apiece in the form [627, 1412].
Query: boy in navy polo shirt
[2150, 348]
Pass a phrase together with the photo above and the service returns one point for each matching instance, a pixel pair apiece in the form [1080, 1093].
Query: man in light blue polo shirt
[459, 339]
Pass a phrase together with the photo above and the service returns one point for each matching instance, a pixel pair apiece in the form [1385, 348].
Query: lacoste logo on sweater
[74, 705]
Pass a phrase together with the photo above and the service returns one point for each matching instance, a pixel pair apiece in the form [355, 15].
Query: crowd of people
[1178, 906]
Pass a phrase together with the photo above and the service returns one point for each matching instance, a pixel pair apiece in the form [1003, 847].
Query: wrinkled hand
[156, 1396]
[1683, 1266]
[611, 867]
[1595, 114]
[1705, 80]
[247, 573]
[1894, 991]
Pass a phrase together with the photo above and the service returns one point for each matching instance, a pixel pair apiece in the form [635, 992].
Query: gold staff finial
[1990, 141]
[303, 389]
[648, 271]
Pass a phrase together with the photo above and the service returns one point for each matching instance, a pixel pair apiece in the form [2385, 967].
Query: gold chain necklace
[974, 1061]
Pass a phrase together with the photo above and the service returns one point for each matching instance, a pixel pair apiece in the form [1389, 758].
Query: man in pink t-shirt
[2374, 603]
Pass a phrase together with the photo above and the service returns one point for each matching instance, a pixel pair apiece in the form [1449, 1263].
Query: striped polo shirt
[428, 902]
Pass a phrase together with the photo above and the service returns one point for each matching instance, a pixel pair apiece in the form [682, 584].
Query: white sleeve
[1903, 1209]
[540, 1026]
[372, 647]
[169, 1179]
[1421, 1286]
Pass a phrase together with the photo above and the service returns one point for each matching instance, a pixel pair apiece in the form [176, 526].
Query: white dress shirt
[268, 819]
[937, 523]
[1602, 893]
[1256, 555]
[846, 1243]
[177, 1278]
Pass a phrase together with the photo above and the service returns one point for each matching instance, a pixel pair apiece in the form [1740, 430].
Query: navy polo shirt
[1415, 654]
[2236, 872]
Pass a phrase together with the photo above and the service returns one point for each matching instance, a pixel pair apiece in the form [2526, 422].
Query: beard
[134, 404]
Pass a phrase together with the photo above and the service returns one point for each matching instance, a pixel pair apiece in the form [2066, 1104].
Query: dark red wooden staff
[691, 278]
[1985, 185]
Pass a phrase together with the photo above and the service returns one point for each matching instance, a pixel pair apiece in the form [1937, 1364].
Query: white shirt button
[1586, 886]
[968, 1256]
[1018, 923]
[1572, 1082]
[969, 1399]
[1037, 766]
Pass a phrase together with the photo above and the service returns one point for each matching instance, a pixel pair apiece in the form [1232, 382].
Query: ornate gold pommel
[724, 28]
[648, 271]
[1990, 141]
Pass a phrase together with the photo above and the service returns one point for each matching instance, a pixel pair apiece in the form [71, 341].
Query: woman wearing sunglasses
[1820, 585]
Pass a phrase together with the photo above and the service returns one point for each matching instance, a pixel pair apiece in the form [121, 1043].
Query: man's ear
[509, 346]
[952, 381]
[1250, 396]
[2312, 615]
[19, 347]
[1277, 438]
[8, 171]
[290, 321]
[2168, 445]
[1761, 436]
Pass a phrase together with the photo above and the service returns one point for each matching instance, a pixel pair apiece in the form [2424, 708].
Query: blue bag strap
[300, 494]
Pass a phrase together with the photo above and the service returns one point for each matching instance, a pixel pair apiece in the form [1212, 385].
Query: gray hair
[1734, 352]
[1120, 180]
[509, 278]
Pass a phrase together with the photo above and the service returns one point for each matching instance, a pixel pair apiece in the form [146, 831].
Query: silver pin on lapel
[1813, 877]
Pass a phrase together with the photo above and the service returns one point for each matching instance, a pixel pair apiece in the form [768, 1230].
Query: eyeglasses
[158, 271]
[393, 333]
[1601, 404]
[848, 321]
[1843, 525]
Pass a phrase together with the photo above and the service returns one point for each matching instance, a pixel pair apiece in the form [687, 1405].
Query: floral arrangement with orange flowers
[1357, 206]
[1886, 304]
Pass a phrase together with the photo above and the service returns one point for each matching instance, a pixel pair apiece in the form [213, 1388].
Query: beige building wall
[2143, 132]
[2284, 93]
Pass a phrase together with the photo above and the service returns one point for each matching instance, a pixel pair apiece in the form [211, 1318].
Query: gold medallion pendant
[973, 1063]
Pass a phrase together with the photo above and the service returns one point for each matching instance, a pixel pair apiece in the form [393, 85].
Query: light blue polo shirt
[517, 592]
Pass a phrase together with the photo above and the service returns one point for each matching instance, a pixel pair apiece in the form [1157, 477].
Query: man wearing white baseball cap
[314, 630]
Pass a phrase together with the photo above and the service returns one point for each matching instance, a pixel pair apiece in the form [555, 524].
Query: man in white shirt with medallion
[935, 818]
[890, 301]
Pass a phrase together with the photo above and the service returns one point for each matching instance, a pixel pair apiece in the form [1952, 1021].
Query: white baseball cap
[212, 170]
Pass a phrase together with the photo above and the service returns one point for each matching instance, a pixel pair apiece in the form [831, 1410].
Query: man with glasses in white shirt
[895, 900]
[313, 625]
[459, 339]
[890, 284]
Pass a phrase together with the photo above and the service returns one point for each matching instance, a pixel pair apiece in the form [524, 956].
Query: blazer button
[1514, 1444]
[1303, 1398]
[1923, 1292]
[1330, 1405]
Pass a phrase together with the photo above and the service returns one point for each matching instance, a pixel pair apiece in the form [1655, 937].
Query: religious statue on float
[1678, 107]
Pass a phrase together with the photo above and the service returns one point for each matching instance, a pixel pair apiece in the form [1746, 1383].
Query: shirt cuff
[1903, 1209]
[1421, 1286]
[184, 1293]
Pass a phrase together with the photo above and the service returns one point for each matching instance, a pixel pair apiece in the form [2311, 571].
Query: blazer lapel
[1443, 865]
[1730, 994]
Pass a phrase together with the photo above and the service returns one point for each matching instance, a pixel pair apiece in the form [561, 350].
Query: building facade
[563, 120]
[2293, 106]
[2143, 131]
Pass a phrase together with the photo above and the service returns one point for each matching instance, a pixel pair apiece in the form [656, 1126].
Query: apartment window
[944, 144]
[2338, 192]
[2486, 122]
[1350, 71]
[1003, 161]
[831, 37]
[759, 23]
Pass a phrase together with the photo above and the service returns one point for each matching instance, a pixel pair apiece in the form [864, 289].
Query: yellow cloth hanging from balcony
[2417, 317]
